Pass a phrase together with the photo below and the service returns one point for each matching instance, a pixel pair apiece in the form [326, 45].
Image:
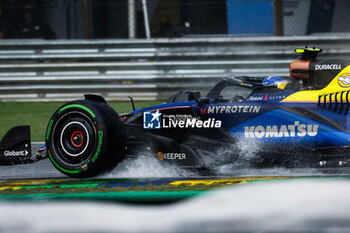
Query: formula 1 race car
[302, 122]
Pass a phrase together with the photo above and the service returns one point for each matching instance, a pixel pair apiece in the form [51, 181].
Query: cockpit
[307, 73]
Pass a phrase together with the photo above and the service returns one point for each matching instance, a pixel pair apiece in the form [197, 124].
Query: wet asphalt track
[44, 170]
[37, 170]
[315, 203]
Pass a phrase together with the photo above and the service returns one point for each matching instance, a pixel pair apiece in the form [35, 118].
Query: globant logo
[15, 153]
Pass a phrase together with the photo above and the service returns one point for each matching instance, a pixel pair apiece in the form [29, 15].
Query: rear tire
[85, 138]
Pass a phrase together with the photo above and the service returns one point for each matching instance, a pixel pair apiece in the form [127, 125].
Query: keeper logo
[171, 156]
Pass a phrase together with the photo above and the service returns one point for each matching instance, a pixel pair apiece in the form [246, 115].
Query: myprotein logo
[344, 80]
[171, 156]
[230, 109]
[281, 131]
[328, 67]
[11, 153]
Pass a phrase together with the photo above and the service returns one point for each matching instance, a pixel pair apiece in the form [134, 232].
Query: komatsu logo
[275, 131]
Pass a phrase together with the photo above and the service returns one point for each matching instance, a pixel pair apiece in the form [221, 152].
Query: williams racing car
[300, 122]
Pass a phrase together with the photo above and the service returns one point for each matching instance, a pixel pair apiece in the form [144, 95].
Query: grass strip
[131, 196]
[38, 114]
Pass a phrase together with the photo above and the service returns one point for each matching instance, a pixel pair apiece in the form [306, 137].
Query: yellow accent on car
[282, 85]
[308, 49]
[312, 95]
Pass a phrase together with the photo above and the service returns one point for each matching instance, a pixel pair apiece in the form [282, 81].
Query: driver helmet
[274, 81]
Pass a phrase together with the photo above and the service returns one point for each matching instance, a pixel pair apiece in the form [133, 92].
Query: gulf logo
[344, 80]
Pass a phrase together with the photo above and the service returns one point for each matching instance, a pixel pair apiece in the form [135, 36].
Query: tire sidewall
[101, 124]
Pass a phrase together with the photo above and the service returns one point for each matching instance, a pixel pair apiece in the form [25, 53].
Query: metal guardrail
[145, 69]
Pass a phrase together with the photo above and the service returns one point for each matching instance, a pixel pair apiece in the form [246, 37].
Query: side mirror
[203, 100]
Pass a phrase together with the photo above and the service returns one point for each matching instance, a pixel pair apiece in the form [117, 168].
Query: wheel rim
[73, 138]
[69, 144]
[77, 139]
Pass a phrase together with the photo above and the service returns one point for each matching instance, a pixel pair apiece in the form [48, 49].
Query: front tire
[85, 138]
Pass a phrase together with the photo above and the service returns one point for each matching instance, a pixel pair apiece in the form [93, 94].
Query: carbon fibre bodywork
[248, 121]
[295, 126]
